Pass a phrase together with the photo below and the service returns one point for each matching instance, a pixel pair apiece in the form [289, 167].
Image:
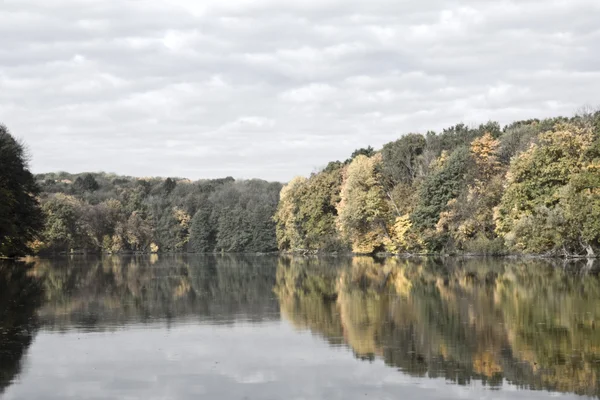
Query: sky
[277, 88]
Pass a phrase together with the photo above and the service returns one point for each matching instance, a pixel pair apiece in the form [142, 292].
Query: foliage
[532, 186]
[363, 211]
[287, 217]
[368, 152]
[438, 189]
[127, 214]
[20, 214]
[470, 216]
[402, 159]
[307, 212]
[549, 186]
[87, 183]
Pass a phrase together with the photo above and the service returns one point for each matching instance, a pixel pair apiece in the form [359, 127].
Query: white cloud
[312, 93]
[274, 89]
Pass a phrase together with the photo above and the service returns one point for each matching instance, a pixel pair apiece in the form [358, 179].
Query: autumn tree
[138, 232]
[318, 210]
[536, 213]
[469, 216]
[289, 226]
[363, 211]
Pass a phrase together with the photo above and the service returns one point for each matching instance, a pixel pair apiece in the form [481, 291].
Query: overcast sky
[277, 88]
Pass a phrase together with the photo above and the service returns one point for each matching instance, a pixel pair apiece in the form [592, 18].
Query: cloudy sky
[277, 88]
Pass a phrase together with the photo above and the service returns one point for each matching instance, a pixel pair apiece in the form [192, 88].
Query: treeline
[110, 213]
[98, 212]
[529, 187]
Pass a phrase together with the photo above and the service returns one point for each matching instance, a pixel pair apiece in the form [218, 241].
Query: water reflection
[20, 296]
[532, 323]
[94, 294]
[472, 322]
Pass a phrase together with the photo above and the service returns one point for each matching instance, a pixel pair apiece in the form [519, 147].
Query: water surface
[267, 327]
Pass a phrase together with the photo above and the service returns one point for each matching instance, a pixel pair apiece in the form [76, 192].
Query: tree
[138, 232]
[168, 186]
[444, 184]
[88, 183]
[233, 230]
[537, 211]
[181, 233]
[401, 159]
[288, 224]
[470, 215]
[317, 210]
[65, 228]
[402, 164]
[368, 152]
[21, 218]
[100, 221]
[363, 211]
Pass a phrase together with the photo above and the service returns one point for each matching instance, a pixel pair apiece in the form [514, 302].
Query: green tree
[168, 186]
[21, 218]
[88, 183]
[317, 210]
[444, 184]
[543, 183]
[139, 232]
[65, 229]
[402, 164]
[203, 230]
[402, 159]
[368, 152]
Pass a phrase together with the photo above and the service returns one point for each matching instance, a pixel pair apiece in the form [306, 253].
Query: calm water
[228, 327]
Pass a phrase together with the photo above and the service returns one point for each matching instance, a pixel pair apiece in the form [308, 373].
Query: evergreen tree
[20, 214]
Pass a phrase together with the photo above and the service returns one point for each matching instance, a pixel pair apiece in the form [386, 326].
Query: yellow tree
[288, 228]
[363, 212]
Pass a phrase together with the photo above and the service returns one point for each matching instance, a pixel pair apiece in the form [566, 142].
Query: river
[279, 327]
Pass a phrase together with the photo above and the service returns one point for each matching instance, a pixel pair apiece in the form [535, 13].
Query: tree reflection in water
[530, 323]
[20, 296]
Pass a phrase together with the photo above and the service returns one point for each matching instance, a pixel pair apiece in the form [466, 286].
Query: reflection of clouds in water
[473, 322]
[193, 356]
[98, 294]
[257, 377]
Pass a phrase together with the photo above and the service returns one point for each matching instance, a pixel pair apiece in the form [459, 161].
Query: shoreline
[313, 253]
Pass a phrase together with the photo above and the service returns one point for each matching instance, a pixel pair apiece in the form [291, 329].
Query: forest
[530, 187]
[115, 214]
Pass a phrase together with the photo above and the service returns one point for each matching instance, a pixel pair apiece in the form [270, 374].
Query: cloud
[274, 89]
